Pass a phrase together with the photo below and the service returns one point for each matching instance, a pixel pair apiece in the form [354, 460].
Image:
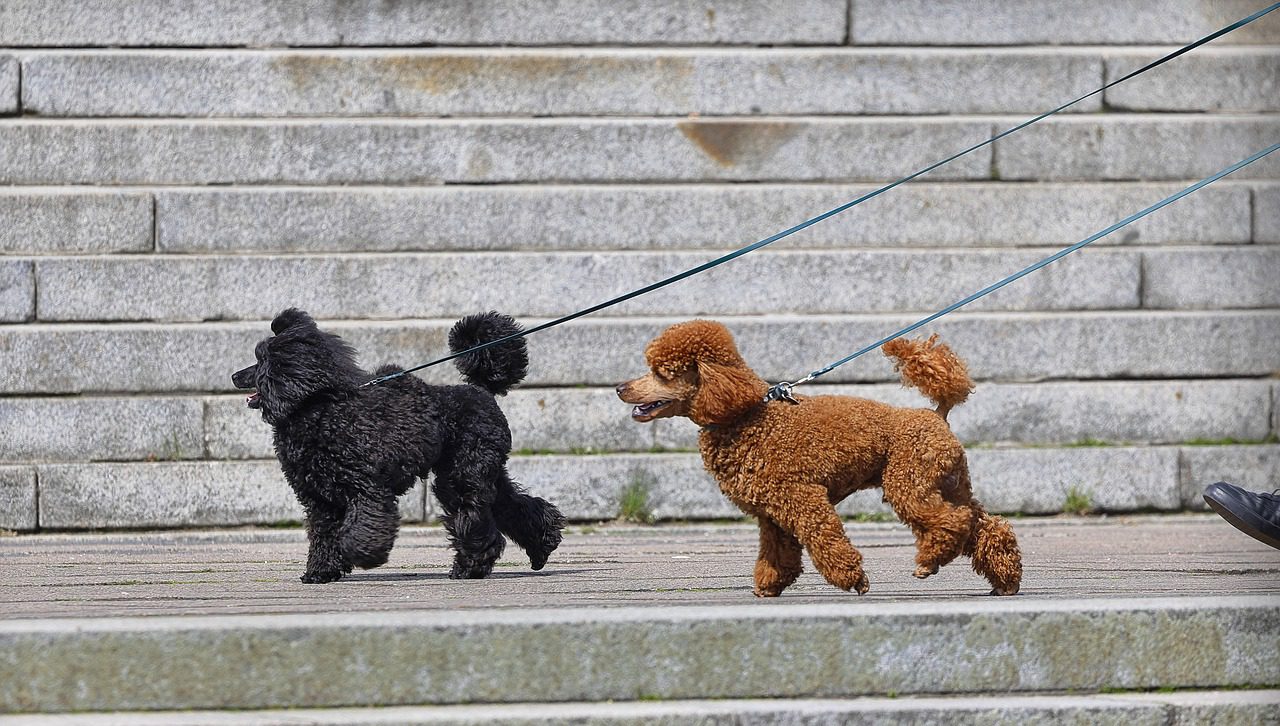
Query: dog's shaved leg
[779, 563]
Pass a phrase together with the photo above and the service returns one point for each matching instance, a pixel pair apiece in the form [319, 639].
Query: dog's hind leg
[468, 518]
[369, 528]
[779, 563]
[927, 496]
[531, 522]
[995, 554]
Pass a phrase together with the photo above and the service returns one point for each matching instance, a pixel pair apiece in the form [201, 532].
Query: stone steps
[592, 487]
[1014, 646]
[1090, 147]
[1138, 708]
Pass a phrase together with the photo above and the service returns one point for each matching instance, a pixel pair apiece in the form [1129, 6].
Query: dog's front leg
[806, 513]
[325, 562]
[779, 562]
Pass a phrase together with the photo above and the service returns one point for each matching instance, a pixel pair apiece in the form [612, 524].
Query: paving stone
[138, 358]
[42, 221]
[1239, 277]
[17, 291]
[89, 429]
[17, 497]
[1033, 22]
[188, 494]
[401, 22]
[1266, 213]
[548, 217]
[1255, 467]
[1146, 147]
[577, 82]
[9, 84]
[1241, 79]
[473, 151]
[436, 285]
[629, 653]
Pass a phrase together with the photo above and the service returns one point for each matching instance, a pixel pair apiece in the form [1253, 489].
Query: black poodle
[349, 450]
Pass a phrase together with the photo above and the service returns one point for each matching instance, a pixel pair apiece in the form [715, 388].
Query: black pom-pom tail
[496, 368]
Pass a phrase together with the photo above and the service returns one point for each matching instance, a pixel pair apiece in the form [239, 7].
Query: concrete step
[621, 217]
[582, 420]
[1182, 708]
[635, 82]
[446, 22]
[410, 151]
[184, 357]
[666, 486]
[10, 73]
[992, 22]
[1020, 646]
[191, 289]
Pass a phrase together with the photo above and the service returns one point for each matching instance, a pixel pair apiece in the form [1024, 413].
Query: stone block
[1240, 80]
[993, 22]
[408, 22]
[40, 222]
[1214, 279]
[1266, 213]
[1112, 479]
[552, 284]
[561, 82]
[483, 151]
[17, 291]
[9, 84]
[137, 358]
[189, 494]
[18, 497]
[99, 428]
[1254, 467]
[1120, 147]
[700, 216]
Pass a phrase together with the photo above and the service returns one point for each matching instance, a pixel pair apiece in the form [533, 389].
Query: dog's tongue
[251, 399]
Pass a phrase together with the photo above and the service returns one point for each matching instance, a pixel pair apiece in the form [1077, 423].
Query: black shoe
[1254, 513]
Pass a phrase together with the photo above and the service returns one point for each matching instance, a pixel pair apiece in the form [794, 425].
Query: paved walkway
[256, 571]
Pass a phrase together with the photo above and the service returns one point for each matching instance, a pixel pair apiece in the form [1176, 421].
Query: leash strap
[829, 213]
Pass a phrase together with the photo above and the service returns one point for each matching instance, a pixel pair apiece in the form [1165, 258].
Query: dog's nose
[620, 388]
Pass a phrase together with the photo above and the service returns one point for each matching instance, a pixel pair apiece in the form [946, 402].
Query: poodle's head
[695, 371]
[298, 362]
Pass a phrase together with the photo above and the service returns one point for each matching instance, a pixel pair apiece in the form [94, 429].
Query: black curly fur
[348, 451]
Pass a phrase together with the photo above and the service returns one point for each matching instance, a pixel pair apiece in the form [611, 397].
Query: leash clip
[781, 392]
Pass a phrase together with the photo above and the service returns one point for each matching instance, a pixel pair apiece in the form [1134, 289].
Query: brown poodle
[788, 465]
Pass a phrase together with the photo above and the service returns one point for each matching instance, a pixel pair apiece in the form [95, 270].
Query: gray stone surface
[1241, 277]
[9, 84]
[93, 428]
[1241, 79]
[639, 653]
[17, 291]
[569, 420]
[411, 151]
[43, 221]
[1138, 146]
[1266, 213]
[396, 286]
[1240, 708]
[18, 497]
[696, 216]
[578, 82]
[1256, 468]
[408, 22]
[189, 494]
[998, 22]
[137, 358]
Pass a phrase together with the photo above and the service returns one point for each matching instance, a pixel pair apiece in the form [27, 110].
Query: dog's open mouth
[253, 400]
[647, 409]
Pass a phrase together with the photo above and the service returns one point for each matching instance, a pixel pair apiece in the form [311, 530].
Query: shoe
[1254, 513]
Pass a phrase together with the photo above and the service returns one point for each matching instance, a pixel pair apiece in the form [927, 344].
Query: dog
[788, 464]
[348, 450]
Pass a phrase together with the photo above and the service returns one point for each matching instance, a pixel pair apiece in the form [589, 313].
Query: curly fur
[348, 451]
[788, 465]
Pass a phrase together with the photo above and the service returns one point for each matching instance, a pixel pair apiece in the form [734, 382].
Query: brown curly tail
[937, 372]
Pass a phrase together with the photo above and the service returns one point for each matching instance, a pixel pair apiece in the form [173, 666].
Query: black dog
[348, 451]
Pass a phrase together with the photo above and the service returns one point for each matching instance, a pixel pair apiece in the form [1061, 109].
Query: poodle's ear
[725, 393]
[290, 318]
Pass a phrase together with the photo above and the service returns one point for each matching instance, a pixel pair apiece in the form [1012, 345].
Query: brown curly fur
[788, 465]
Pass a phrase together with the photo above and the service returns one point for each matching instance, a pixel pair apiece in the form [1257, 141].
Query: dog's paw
[471, 571]
[322, 576]
[766, 591]
[1004, 591]
[863, 585]
[923, 572]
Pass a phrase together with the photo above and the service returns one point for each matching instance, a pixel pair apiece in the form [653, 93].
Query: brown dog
[788, 465]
